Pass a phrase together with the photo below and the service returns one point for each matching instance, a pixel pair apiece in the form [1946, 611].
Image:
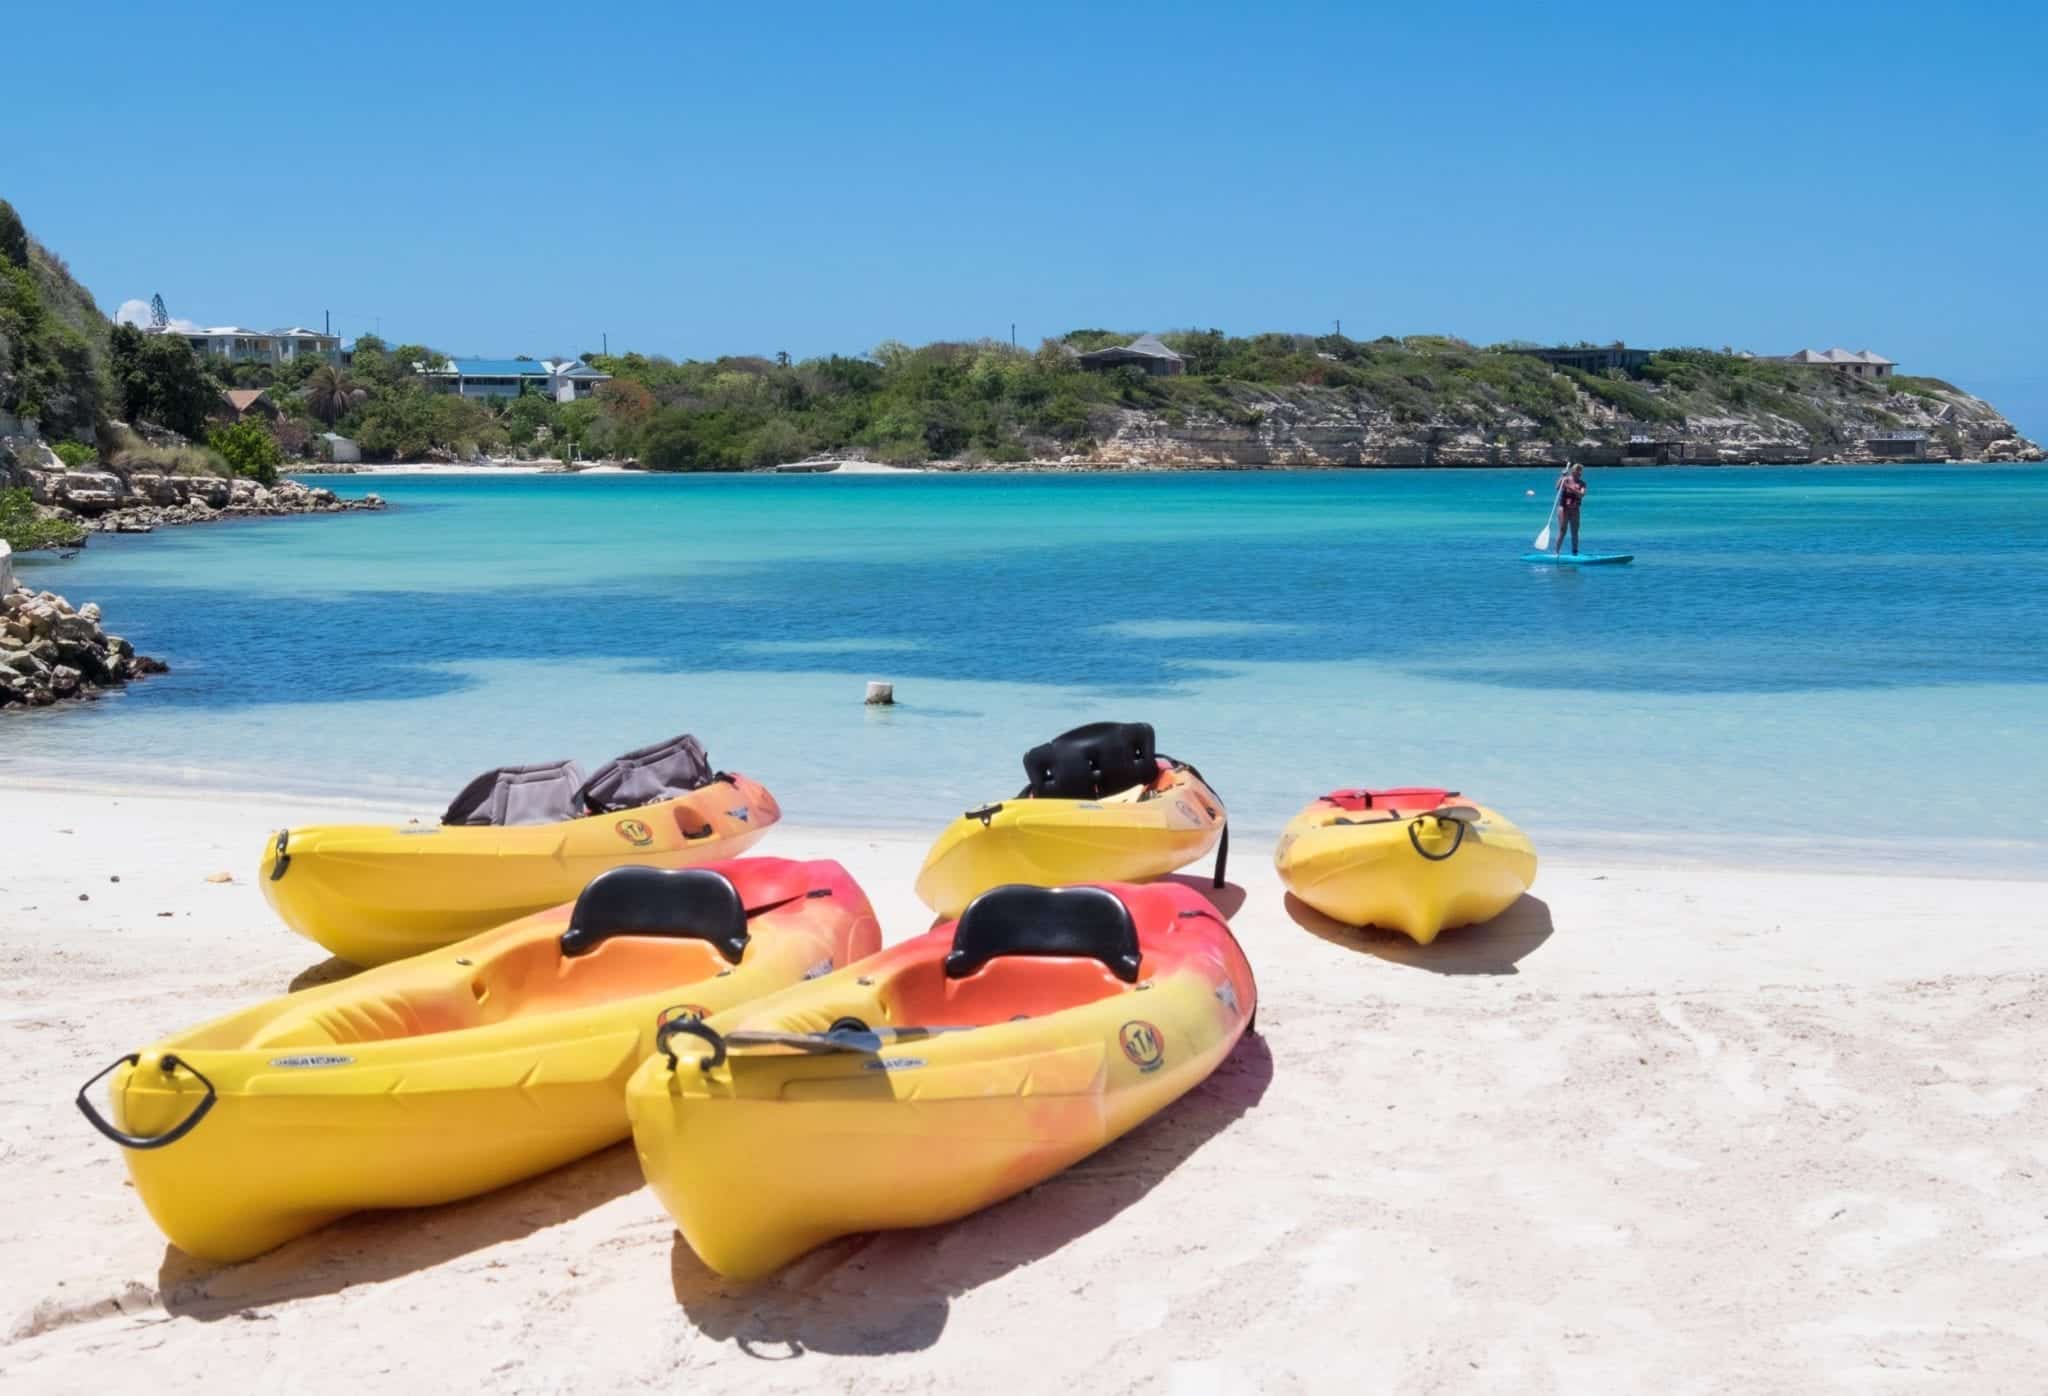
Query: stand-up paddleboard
[1578, 559]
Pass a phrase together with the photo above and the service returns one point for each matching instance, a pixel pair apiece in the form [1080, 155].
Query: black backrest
[1019, 920]
[659, 772]
[542, 794]
[1090, 762]
[679, 903]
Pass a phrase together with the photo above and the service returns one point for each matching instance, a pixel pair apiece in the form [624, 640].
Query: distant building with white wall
[240, 345]
[564, 380]
[1856, 363]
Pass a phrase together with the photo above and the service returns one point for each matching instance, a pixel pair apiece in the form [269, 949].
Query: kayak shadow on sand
[373, 1246]
[331, 970]
[1494, 947]
[892, 1291]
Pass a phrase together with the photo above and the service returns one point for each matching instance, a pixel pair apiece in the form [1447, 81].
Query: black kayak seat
[544, 794]
[659, 772]
[676, 903]
[1092, 761]
[1016, 919]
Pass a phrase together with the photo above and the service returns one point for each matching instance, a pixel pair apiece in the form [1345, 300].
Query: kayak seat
[544, 794]
[1409, 797]
[1092, 761]
[677, 903]
[659, 772]
[1083, 922]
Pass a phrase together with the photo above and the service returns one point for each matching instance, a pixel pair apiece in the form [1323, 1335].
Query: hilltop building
[564, 380]
[237, 344]
[1859, 363]
[1145, 351]
[1587, 358]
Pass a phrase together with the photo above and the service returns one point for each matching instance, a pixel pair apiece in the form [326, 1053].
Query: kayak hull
[771, 1152]
[1578, 559]
[1136, 836]
[1402, 869]
[375, 893]
[450, 1074]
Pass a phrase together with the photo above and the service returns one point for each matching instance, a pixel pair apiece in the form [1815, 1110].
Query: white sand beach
[1655, 1130]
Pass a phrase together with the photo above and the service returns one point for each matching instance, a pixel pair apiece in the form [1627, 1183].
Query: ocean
[1834, 664]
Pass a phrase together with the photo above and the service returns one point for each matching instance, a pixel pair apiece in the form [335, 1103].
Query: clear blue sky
[697, 179]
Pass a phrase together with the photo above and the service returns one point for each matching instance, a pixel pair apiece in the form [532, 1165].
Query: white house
[240, 345]
[564, 380]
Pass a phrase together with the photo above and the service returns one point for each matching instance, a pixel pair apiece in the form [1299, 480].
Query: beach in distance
[1772, 1131]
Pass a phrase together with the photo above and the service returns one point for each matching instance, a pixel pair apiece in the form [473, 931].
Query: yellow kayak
[1414, 861]
[373, 893]
[1102, 806]
[465, 1069]
[940, 1076]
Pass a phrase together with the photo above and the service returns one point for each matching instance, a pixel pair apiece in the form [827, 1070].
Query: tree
[398, 424]
[22, 528]
[158, 378]
[329, 393]
[13, 237]
[249, 449]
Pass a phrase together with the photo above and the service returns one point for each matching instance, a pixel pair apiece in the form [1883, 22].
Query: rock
[90, 611]
[220, 877]
[64, 680]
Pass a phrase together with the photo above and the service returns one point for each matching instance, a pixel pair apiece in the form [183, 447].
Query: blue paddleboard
[1578, 559]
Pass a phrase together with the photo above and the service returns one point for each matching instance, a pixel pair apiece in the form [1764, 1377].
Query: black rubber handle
[694, 1028]
[1456, 844]
[147, 1141]
[284, 859]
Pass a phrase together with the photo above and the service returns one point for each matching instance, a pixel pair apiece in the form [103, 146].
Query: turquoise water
[1849, 661]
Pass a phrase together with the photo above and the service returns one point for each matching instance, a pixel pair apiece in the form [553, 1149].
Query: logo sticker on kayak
[682, 1013]
[634, 832]
[892, 1064]
[820, 969]
[1142, 1044]
[311, 1061]
[740, 814]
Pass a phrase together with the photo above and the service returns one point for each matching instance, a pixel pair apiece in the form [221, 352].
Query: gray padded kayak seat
[659, 772]
[545, 794]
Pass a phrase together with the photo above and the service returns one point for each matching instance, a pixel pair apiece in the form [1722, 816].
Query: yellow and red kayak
[1135, 835]
[942, 1075]
[1412, 860]
[372, 893]
[464, 1069]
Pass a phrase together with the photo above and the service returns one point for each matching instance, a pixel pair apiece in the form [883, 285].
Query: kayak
[1578, 559]
[372, 893]
[1417, 861]
[463, 1070]
[940, 1076]
[1122, 814]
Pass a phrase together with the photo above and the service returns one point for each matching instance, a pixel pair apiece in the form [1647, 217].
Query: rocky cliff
[1828, 418]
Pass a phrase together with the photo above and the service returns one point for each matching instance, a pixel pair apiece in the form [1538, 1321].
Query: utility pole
[607, 344]
[1340, 328]
[1013, 334]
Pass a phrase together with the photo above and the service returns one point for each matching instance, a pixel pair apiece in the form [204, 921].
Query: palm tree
[329, 393]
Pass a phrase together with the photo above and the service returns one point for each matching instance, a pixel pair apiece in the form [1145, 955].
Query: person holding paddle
[1571, 492]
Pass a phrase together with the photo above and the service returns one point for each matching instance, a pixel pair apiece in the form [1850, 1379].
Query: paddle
[1542, 544]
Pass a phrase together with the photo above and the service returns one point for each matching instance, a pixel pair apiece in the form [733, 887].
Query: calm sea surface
[1835, 663]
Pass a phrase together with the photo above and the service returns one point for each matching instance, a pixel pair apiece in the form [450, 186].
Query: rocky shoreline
[50, 651]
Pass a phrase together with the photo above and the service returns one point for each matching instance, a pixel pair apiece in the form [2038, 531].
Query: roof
[1150, 346]
[1838, 356]
[242, 399]
[1145, 346]
[494, 368]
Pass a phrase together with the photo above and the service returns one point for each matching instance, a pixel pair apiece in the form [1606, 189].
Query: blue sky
[693, 179]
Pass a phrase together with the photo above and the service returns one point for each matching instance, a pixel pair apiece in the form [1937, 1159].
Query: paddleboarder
[1571, 492]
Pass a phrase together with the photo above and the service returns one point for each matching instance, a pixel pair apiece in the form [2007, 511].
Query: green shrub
[22, 528]
[76, 455]
[249, 450]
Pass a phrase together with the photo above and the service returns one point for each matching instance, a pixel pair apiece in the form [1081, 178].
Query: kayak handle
[284, 859]
[694, 1028]
[1456, 843]
[147, 1141]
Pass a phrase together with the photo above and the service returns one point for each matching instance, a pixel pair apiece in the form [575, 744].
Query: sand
[1656, 1130]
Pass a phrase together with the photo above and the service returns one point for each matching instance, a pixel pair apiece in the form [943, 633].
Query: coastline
[1759, 1128]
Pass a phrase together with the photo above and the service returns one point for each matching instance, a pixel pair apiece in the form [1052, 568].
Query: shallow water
[1835, 661]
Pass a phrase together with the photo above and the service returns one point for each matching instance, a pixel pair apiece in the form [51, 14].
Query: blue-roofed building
[564, 380]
